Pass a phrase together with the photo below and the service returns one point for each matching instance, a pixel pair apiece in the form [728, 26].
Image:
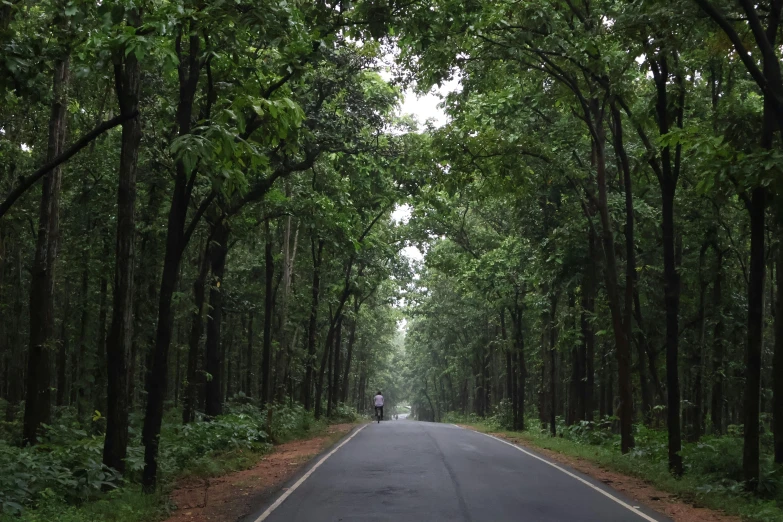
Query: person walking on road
[379, 405]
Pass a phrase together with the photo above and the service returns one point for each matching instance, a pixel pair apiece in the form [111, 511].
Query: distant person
[379, 405]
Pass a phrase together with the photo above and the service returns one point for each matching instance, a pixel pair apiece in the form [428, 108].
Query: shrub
[720, 457]
[73, 473]
[184, 443]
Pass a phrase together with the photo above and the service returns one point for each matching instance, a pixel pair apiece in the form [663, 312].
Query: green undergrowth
[713, 465]
[63, 478]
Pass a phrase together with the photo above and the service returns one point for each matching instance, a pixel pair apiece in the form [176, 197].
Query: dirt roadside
[634, 488]
[233, 496]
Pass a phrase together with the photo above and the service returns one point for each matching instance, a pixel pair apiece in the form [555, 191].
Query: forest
[201, 249]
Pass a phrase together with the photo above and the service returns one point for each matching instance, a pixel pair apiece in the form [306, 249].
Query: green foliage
[67, 467]
[181, 444]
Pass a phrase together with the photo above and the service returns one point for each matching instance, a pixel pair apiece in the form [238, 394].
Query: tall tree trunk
[128, 87]
[17, 362]
[189, 71]
[672, 302]
[520, 368]
[349, 355]
[777, 362]
[326, 360]
[312, 330]
[750, 452]
[588, 332]
[193, 380]
[99, 396]
[552, 362]
[509, 363]
[85, 366]
[229, 363]
[38, 406]
[266, 355]
[718, 371]
[62, 353]
[214, 359]
[630, 265]
[622, 350]
[249, 355]
[334, 392]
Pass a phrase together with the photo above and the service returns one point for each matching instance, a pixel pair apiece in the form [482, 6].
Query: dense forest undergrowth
[201, 247]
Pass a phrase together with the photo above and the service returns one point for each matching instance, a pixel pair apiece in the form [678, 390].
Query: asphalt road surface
[418, 471]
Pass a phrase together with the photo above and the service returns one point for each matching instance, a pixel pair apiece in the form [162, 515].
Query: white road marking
[580, 479]
[299, 482]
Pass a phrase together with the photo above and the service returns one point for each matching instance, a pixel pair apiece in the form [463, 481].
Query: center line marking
[299, 482]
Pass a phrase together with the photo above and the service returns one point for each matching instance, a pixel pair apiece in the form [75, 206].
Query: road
[416, 471]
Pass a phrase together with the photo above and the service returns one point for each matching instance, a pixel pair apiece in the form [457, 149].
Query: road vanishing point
[419, 471]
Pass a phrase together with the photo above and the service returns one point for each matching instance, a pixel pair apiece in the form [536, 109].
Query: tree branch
[29, 181]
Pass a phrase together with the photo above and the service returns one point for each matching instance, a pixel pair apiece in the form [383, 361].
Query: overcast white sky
[422, 108]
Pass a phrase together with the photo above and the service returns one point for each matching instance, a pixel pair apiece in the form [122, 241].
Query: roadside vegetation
[63, 478]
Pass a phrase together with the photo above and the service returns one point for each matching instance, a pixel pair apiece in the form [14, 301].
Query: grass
[709, 480]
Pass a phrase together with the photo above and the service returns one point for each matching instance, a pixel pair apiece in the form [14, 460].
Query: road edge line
[304, 477]
[572, 475]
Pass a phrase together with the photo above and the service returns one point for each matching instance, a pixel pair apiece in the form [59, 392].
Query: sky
[422, 108]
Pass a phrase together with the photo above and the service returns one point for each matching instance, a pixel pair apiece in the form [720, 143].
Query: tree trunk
[349, 355]
[312, 330]
[84, 366]
[38, 406]
[189, 71]
[99, 396]
[334, 392]
[326, 359]
[718, 370]
[193, 381]
[249, 356]
[552, 368]
[266, 356]
[128, 80]
[611, 274]
[214, 357]
[750, 452]
[509, 364]
[518, 360]
[631, 276]
[588, 332]
[62, 354]
[777, 363]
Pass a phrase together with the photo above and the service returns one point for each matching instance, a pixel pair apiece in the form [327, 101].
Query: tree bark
[38, 399]
[349, 355]
[552, 352]
[128, 87]
[99, 396]
[249, 355]
[62, 354]
[269, 302]
[777, 363]
[312, 330]
[611, 275]
[750, 452]
[194, 339]
[338, 344]
[214, 357]
[189, 71]
[718, 370]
